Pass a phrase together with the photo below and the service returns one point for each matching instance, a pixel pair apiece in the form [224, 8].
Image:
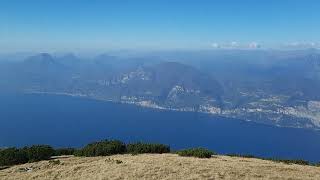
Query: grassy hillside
[158, 166]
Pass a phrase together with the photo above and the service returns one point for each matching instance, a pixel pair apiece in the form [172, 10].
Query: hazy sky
[153, 24]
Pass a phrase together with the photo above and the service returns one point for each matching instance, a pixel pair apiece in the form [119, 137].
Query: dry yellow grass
[159, 166]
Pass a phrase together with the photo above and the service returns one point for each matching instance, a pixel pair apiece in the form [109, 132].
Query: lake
[64, 121]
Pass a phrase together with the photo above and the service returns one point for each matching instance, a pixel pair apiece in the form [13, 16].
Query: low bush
[242, 155]
[140, 148]
[102, 148]
[286, 161]
[13, 156]
[291, 161]
[196, 152]
[317, 164]
[64, 151]
[38, 152]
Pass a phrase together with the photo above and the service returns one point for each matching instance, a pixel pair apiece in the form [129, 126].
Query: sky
[157, 24]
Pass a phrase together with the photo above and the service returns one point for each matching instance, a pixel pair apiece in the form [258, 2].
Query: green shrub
[38, 152]
[140, 148]
[290, 161]
[64, 151]
[78, 152]
[102, 148]
[196, 152]
[286, 161]
[317, 164]
[12, 156]
[242, 155]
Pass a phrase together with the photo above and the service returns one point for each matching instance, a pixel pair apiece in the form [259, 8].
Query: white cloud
[298, 45]
[234, 44]
[254, 45]
[215, 45]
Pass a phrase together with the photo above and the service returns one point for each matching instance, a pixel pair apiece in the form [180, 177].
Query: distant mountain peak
[104, 57]
[69, 56]
[44, 58]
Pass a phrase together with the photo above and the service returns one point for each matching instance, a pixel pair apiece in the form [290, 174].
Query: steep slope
[171, 84]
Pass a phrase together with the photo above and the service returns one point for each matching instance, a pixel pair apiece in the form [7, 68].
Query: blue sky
[156, 24]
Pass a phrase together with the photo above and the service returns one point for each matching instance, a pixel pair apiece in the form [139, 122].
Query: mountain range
[270, 87]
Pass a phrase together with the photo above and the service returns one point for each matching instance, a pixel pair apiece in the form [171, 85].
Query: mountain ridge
[273, 94]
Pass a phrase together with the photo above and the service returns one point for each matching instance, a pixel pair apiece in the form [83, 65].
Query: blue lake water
[64, 121]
